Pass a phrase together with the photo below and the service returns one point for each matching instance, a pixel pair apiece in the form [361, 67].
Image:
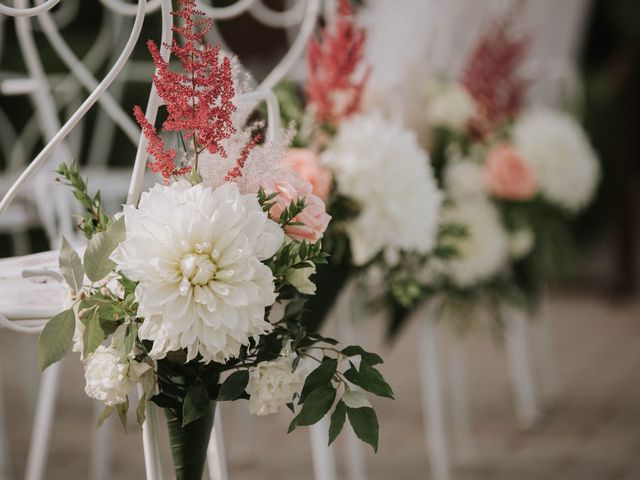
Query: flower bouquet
[197, 294]
[374, 176]
[513, 179]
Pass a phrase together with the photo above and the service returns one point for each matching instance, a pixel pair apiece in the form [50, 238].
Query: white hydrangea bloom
[196, 253]
[558, 151]
[449, 105]
[107, 376]
[484, 250]
[381, 166]
[274, 384]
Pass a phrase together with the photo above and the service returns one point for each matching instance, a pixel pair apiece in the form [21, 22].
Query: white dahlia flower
[564, 163]
[196, 253]
[484, 250]
[107, 376]
[274, 384]
[381, 166]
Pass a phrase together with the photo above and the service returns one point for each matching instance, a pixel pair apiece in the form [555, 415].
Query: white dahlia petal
[196, 252]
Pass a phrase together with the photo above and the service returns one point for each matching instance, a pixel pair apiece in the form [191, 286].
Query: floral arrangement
[198, 293]
[512, 180]
[376, 179]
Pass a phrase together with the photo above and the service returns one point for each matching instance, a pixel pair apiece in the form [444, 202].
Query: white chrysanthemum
[484, 250]
[273, 384]
[558, 151]
[449, 105]
[196, 253]
[463, 178]
[107, 376]
[381, 166]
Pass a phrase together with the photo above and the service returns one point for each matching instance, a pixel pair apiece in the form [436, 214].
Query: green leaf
[71, 266]
[142, 409]
[365, 425]
[130, 337]
[320, 377]
[94, 334]
[97, 263]
[338, 418]
[367, 357]
[316, 406]
[355, 399]
[370, 379]
[196, 403]
[106, 413]
[233, 387]
[56, 338]
[122, 409]
[165, 401]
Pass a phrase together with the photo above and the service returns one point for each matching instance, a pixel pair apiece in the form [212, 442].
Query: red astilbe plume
[333, 62]
[199, 101]
[164, 159]
[491, 75]
[236, 171]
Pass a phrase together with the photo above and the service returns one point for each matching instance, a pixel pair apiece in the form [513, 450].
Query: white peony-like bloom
[463, 178]
[300, 278]
[196, 253]
[484, 250]
[107, 376]
[557, 149]
[274, 384]
[381, 166]
[449, 105]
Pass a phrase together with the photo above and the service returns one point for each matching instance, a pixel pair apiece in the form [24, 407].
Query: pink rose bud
[307, 164]
[507, 175]
[314, 218]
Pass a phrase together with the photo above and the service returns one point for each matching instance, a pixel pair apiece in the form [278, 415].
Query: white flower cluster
[274, 384]
[196, 253]
[381, 166]
[449, 105]
[107, 376]
[558, 151]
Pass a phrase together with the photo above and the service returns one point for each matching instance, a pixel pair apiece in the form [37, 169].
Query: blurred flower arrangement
[197, 294]
[512, 181]
[377, 180]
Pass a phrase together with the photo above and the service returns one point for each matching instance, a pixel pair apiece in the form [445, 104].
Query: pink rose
[507, 175]
[314, 217]
[307, 164]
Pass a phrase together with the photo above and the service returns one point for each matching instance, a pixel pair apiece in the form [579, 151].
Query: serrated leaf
[338, 418]
[234, 386]
[97, 263]
[56, 338]
[365, 425]
[71, 266]
[367, 357]
[355, 399]
[196, 403]
[94, 334]
[319, 377]
[316, 406]
[369, 379]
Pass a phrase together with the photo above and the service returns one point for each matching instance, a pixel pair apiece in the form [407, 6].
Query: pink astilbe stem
[236, 171]
[491, 75]
[333, 89]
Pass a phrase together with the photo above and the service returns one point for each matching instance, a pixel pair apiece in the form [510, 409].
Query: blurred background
[590, 431]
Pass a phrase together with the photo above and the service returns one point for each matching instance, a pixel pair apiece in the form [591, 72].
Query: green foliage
[234, 386]
[94, 219]
[56, 338]
[196, 403]
[71, 266]
[338, 418]
[367, 357]
[97, 263]
[365, 425]
[94, 333]
[370, 379]
[317, 405]
[320, 377]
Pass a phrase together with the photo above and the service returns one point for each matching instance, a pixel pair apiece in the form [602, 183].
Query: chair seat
[34, 297]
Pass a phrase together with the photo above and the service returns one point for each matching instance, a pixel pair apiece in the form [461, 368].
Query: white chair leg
[5, 465]
[100, 446]
[433, 401]
[152, 466]
[42, 422]
[520, 367]
[544, 353]
[461, 404]
[216, 456]
[324, 464]
[356, 465]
